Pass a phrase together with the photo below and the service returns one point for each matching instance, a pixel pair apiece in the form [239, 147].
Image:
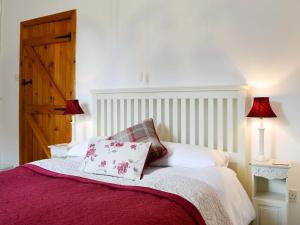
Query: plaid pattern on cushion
[143, 132]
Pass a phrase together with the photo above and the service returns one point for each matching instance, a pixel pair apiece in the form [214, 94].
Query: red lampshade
[261, 108]
[73, 108]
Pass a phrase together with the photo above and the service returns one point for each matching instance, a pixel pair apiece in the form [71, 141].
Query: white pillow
[81, 148]
[191, 156]
[115, 158]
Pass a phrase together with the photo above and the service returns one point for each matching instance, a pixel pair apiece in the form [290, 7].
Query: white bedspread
[215, 191]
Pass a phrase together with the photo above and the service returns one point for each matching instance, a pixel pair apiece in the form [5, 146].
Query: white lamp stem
[261, 157]
[73, 123]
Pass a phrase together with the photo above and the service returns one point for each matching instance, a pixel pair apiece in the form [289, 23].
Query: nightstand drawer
[270, 172]
[269, 214]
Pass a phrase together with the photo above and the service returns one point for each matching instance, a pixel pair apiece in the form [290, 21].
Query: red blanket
[30, 195]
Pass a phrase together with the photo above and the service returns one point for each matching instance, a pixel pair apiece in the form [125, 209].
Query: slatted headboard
[208, 116]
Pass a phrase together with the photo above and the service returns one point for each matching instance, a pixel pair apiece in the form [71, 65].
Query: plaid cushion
[143, 132]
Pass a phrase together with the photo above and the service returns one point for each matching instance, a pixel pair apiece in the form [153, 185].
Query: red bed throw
[30, 195]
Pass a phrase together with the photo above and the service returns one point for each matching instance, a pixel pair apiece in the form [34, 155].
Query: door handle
[26, 82]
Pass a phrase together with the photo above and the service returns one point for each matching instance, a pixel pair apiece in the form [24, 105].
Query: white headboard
[208, 116]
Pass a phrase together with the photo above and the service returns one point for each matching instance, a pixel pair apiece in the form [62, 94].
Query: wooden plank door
[47, 80]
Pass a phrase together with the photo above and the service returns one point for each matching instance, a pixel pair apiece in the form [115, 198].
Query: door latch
[60, 109]
[69, 35]
[26, 82]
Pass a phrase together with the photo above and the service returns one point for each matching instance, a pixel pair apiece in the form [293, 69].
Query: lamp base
[261, 158]
[73, 124]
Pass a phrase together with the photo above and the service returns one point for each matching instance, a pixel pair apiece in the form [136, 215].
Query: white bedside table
[4, 167]
[270, 192]
[59, 151]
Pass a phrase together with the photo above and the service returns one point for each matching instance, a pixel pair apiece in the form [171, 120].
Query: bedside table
[4, 167]
[270, 192]
[60, 150]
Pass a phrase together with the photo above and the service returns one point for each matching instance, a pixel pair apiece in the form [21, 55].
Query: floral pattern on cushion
[91, 152]
[116, 158]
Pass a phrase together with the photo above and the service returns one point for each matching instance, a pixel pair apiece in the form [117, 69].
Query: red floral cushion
[143, 132]
[116, 158]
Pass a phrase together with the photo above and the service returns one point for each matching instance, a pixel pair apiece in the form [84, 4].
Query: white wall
[1, 129]
[1, 83]
[177, 43]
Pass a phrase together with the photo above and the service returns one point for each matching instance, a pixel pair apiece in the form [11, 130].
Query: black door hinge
[26, 82]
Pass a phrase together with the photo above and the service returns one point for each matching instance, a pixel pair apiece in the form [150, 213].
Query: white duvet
[214, 191]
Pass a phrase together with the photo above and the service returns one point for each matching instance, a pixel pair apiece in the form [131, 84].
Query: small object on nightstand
[59, 150]
[270, 191]
[4, 167]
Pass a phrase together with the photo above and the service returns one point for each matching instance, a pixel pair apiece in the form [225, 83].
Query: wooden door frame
[72, 14]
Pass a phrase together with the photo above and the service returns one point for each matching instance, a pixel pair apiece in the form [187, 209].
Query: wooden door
[47, 80]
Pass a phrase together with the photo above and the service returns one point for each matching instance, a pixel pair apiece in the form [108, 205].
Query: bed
[56, 191]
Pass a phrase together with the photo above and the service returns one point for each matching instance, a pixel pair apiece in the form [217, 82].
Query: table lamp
[261, 109]
[73, 108]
